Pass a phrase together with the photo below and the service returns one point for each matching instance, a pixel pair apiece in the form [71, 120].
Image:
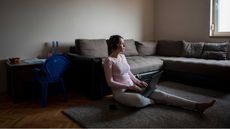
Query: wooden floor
[30, 114]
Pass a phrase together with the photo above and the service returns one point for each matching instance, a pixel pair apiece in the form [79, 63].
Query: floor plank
[30, 114]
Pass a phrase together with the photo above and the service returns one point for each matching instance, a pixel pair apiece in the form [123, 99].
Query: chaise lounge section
[189, 62]
[197, 63]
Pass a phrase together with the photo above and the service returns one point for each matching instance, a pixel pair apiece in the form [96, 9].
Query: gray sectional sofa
[198, 63]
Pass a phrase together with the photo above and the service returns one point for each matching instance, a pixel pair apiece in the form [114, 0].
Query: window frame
[214, 21]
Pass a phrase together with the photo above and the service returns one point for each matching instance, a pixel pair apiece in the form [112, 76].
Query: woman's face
[121, 45]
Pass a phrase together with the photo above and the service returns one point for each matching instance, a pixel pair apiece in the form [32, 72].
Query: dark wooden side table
[20, 79]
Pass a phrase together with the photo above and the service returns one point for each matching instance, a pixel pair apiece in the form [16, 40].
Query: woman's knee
[159, 96]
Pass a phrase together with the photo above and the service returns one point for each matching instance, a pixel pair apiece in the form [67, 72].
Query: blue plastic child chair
[51, 72]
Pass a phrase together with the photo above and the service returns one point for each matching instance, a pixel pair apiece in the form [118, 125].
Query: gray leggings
[158, 96]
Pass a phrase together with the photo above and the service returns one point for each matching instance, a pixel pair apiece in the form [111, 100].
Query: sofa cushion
[192, 49]
[130, 47]
[109, 47]
[228, 52]
[217, 51]
[169, 48]
[214, 68]
[140, 64]
[146, 48]
[92, 47]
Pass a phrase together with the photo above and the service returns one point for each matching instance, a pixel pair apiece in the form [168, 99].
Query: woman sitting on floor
[121, 80]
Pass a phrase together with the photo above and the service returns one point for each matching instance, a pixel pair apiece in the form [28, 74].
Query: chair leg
[44, 94]
[34, 85]
[64, 90]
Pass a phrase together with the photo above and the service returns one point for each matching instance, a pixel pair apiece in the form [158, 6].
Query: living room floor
[30, 114]
[27, 114]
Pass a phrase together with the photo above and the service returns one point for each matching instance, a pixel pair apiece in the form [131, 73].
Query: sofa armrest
[75, 57]
[88, 75]
[82, 64]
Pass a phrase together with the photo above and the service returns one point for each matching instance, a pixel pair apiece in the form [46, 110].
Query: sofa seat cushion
[140, 64]
[215, 68]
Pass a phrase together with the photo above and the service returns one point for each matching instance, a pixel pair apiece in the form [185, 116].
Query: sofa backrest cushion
[169, 48]
[92, 47]
[217, 51]
[109, 47]
[130, 47]
[192, 49]
[228, 53]
[146, 48]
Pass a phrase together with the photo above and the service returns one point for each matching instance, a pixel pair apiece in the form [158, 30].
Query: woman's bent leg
[132, 99]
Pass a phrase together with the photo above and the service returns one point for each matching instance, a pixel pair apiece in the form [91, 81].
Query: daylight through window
[220, 18]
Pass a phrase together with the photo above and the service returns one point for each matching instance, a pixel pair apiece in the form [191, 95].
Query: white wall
[25, 25]
[183, 20]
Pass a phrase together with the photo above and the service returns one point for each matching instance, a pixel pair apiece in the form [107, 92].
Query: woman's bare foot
[201, 107]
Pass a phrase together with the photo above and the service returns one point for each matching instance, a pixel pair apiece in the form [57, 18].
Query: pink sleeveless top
[118, 74]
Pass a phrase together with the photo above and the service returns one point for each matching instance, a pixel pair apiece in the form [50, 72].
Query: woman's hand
[143, 84]
[135, 88]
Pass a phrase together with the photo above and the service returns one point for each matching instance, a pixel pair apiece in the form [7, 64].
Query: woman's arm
[134, 79]
[137, 81]
[109, 77]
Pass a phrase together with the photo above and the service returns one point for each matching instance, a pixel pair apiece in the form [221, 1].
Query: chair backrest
[55, 66]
